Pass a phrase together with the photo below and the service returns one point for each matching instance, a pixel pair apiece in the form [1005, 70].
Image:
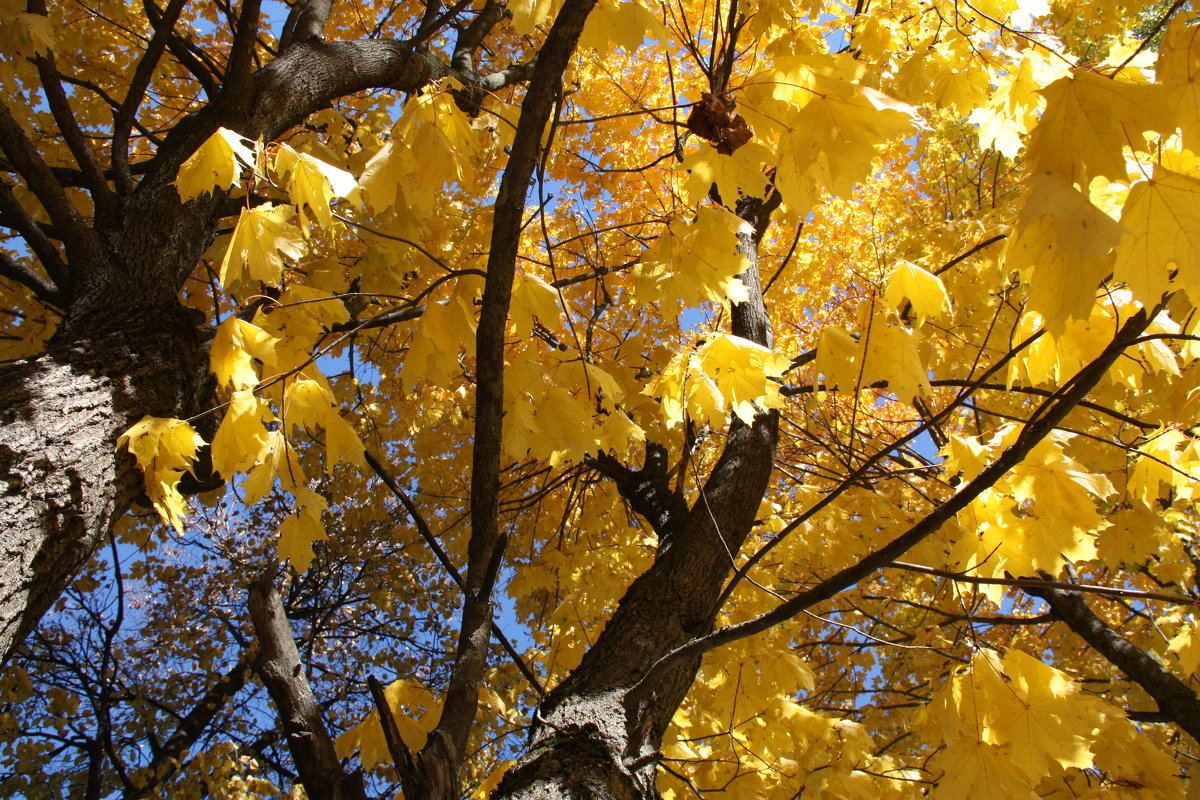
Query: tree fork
[587, 738]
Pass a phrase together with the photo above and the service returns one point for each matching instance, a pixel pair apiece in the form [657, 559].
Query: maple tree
[710, 396]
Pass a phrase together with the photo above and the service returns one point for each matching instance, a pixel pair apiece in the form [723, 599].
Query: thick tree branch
[666, 606]
[80, 241]
[647, 490]
[68, 125]
[195, 61]
[306, 20]
[123, 120]
[304, 80]
[1036, 584]
[1052, 412]
[473, 35]
[241, 52]
[282, 673]
[426, 775]
[485, 545]
[42, 289]
[74, 137]
[1175, 699]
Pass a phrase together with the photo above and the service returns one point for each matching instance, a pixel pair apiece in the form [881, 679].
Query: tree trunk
[64, 483]
[598, 733]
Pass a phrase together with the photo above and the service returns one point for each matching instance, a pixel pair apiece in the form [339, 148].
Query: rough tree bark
[64, 482]
[126, 347]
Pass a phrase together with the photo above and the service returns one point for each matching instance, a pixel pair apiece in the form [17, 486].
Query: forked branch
[282, 673]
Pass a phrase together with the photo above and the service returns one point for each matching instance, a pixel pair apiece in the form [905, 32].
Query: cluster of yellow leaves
[431, 145]
[1039, 516]
[1012, 725]
[723, 374]
[22, 35]
[1013, 108]
[886, 350]
[822, 123]
[559, 408]
[253, 436]
[225, 772]
[446, 332]
[164, 449]
[415, 710]
[743, 729]
[695, 262]
[264, 236]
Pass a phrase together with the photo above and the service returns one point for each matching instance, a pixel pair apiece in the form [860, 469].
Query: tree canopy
[599, 398]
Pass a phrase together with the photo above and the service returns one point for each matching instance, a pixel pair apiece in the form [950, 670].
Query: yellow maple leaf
[746, 373]
[911, 283]
[297, 532]
[1046, 722]
[1167, 458]
[24, 35]
[533, 298]
[726, 372]
[1185, 645]
[444, 144]
[944, 76]
[309, 404]
[1024, 10]
[1013, 720]
[838, 359]
[1130, 758]
[235, 347]
[164, 449]
[893, 355]
[740, 172]
[312, 183]
[624, 24]
[446, 328]
[697, 261]
[416, 711]
[1087, 122]
[243, 435]
[1137, 533]
[1162, 217]
[218, 163]
[528, 14]
[823, 123]
[1059, 246]
[305, 314]
[1014, 106]
[1044, 541]
[277, 459]
[965, 455]
[1049, 476]
[385, 175]
[264, 236]
[979, 771]
[1178, 69]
